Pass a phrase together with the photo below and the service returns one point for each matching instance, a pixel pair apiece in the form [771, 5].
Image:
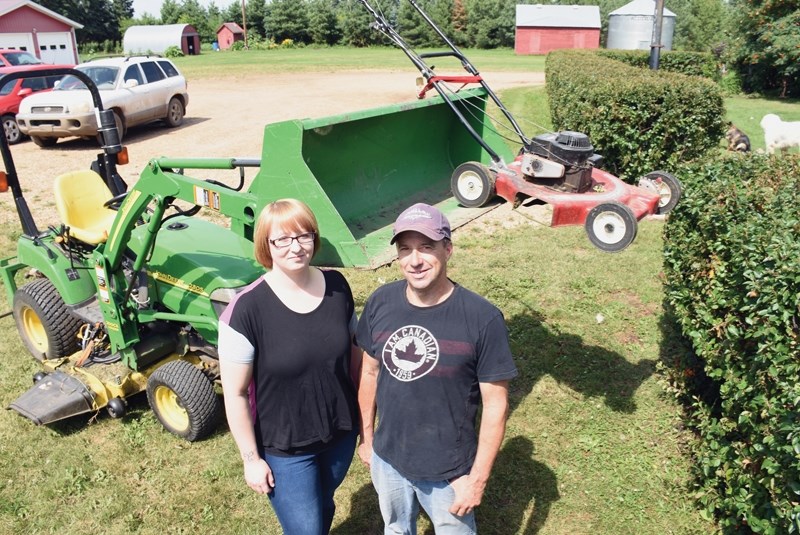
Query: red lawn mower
[560, 169]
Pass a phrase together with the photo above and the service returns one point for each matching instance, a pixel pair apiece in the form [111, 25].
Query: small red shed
[540, 29]
[229, 33]
[25, 25]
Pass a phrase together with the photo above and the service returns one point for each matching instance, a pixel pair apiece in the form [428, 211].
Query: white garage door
[20, 41]
[55, 47]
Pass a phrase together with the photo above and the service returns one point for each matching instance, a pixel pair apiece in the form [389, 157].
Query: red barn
[229, 33]
[25, 25]
[541, 29]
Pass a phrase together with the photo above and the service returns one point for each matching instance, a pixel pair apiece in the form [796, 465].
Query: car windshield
[103, 77]
[7, 88]
[21, 58]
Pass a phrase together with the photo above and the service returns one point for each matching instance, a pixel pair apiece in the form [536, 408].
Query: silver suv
[138, 89]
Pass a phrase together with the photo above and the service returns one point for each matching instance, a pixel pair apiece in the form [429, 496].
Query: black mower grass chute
[560, 168]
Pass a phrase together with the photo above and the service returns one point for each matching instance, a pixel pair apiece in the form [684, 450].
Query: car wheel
[120, 128]
[47, 327]
[13, 135]
[175, 112]
[44, 142]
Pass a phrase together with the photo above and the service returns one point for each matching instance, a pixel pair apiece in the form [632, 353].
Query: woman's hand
[258, 476]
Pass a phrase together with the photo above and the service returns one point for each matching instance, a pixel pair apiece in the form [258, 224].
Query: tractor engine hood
[194, 261]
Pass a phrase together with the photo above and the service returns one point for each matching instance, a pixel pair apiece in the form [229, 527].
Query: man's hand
[469, 492]
[258, 476]
[365, 453]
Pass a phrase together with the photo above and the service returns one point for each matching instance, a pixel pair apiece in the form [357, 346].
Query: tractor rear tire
[611, 226]
[668, 187]
[472, 184]
[47, 327]
[184, 400]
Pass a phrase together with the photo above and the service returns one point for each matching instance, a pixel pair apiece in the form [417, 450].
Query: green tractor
[126, 292]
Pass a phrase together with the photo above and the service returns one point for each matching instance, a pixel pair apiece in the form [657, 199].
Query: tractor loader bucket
[358, 171]
[54, 397]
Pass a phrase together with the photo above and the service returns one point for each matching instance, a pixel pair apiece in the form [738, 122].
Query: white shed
[631, 26]
[156, 39]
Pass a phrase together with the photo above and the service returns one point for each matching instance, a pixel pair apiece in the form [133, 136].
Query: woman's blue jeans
[304, 486]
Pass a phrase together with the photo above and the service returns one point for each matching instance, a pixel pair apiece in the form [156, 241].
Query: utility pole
[244, 24]
[655, 46]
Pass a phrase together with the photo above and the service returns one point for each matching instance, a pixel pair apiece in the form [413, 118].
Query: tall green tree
[769, 45]
[356, 24]
[287, 19]
[323, 26]
[170, 12]
[699, 24]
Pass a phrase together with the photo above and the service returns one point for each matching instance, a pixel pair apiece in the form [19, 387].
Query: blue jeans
[304, 486]
[400, 499]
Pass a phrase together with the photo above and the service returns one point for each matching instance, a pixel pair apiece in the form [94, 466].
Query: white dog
[780, 134]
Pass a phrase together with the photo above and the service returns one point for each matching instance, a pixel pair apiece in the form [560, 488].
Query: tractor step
[54, 397]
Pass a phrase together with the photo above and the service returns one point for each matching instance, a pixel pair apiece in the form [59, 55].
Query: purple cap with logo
[422, 218]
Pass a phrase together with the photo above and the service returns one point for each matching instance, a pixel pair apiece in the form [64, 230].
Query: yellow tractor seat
[79, 200]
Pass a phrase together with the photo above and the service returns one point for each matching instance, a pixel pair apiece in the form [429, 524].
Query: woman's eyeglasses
[286, 241]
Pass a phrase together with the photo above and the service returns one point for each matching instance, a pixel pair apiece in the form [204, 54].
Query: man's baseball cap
[422, 218]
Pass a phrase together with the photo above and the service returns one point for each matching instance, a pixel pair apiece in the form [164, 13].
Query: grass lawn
[594, 445]
[222, 64]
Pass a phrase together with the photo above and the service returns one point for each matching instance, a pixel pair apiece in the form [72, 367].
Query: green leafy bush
[638, 119]
[173, 52]
[688, 63]
[732, 267]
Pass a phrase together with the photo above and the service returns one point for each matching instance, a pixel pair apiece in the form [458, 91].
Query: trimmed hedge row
[732, 268]
[688, 63]
[638, 119]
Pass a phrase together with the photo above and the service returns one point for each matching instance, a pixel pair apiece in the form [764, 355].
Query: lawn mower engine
[562, 161]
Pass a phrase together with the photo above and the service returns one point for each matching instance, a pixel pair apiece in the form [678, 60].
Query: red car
[12, 93]
[10, 57]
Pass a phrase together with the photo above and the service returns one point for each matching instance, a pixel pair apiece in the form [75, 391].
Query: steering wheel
[114, 202]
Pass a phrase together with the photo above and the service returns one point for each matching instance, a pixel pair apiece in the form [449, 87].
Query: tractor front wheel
[184, 400]
[668, 187]
[472, 184]
[611, 226]
[47, 327]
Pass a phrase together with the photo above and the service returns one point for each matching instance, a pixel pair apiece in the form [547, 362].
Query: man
[433, 352]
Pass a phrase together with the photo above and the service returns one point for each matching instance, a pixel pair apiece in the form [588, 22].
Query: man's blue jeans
[400, 499]
[304, 486]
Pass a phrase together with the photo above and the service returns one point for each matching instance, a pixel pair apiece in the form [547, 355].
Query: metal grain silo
[631, 26]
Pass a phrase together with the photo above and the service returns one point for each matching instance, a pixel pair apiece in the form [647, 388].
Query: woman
[288, 365]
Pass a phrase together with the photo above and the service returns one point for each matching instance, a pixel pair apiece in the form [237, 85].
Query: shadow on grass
[592, 371]
[365, 517]
[517, 479]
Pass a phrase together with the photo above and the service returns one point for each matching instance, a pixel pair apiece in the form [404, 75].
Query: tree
[323, 27]
[768, 44]
[413, 28]
[356, 24]
[459, 19]
[287, 19]
[699, 24]
[170, 12]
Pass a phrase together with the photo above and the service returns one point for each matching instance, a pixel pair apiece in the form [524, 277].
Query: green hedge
[688, 63]
[732, 268]
[639, 120]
